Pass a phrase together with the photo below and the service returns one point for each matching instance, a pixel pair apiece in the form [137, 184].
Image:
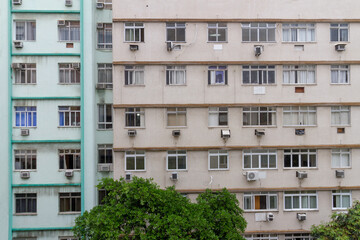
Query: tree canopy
[141, 210]
[342, 226]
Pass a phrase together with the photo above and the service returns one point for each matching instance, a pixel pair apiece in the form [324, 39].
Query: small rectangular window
[102, 193]
[134, 32]
[25, 203]
[25, 159]
[299, 116]
[259, 116]
[341, 199]
[69, 159]
[304, 200]
[218, 116]
[70, 202]
[339, 32]
[25, 30]
[258, 74]
[175, 75]
[300, 158]
[134, 117]
[25, 117]
[105, 116]
[217, 75]
[260, 201]
[26, 74]
[69, 116]
[176, 160]
[299, 74]
[340, 116]
[299, 236]
[134, 75]
[259, 159]
[340, 74]
[69, 73]
[298, 32]
[340, 158]
[217, 32]
[105, 75]
[70, 31]
[258, 32]
[104, 36]
[105, 153]
[175, 32]
[135, 161]
[176, 117]
[218, 160]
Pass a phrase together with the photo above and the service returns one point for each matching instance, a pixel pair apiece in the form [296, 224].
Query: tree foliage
[141, 210]
[343, 226]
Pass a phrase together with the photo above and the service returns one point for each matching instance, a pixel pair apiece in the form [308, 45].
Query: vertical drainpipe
[82, 107]
[10, 119]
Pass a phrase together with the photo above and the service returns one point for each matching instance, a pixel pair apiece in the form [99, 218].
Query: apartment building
[57, 122]
[260, 97]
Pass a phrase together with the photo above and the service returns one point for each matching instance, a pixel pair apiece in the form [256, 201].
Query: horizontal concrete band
[41, 229]
[47, 185]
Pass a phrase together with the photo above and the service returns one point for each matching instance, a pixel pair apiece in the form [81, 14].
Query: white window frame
[135, 155]
[218, 154]
[76, 155]
[103, 124]
[26, 26]
[106, 68]
[299, 111]
[28, 156]
[289, 28]
[173, 76]
[134, 75]
[29, 112]
[299, 153]
[222, 27]
[105, 148]
[68, 113]
[339, 27]
[73, 74]
[136, 112]
[214, 71]
[177, 111]
[176, 154]
[217, 113]
[259, 153]
[300, 195]
[267, 27]
[26, 74]
[176, 26]
[341, 152]
[252, 196]
[270, 113]
[261, 71]
[341, 194]
[292, 74]
[136, 29]
[102, 32]
[71, 25]
[261, 236]
[71, 196]
[297, 236]
[337, 114]
[337, 70]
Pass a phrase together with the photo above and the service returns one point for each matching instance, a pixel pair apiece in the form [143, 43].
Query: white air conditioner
[252, 175]
[134, 47]
[131, 133]
[340, 47]
[100, 5]
[18, 44]
[100, 25]
[258, 49]
[174, 176]
[301, 216]
[76, 65]
[68, 3]
[176, 133]
[340, 173]
[259, 132]
[225, 133]
[25, 132]
[269, 217]
[169, 46]
[17, 2]
[104, 167]
[16, 66]
[25, 174]
[61, 22]
[100, 86]
[301, 175]
[69, 173]
[128, 176]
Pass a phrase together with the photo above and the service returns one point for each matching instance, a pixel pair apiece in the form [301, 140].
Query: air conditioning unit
[299, 132]
[269, 217]
[16, 66]
[132, 133]
[100, 5]
[18, 44]
[25, 174]
[100, 86]
[174, 176]
[340, 47]
[176, 133]
[100, 25]
[301, 175]
[260, 132]
[68, 3]
[225, 133]
[25, 132]
[134, 47]
[128, 177]
[17, 2]
[258, 49]
[169, 46]
[76, 65]
[301, 216]
[69, 173]
[252, 175]
[340, 173]
[61, 22]
[104, 167]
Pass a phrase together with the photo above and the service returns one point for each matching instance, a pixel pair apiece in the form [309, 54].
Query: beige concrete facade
[150, 98]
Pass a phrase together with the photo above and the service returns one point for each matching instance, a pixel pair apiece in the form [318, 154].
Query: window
[218, 160]
[107, 5]
[176, 117]
[70, 202]
[217, 32]
[25, 117]
[304, 200]
[339, 32]
[134, 32]
[102, 193]
[26, 74]
[104, 36]
[340, 74]
[25, 202]
[175, 75]
[69, 116]
[260, 201]
[298, 32]
[105, 153]
[134, 117]
[69, 159]
[218, 116]
[69, 31]
[25, 159]
[261, 237]
[135, 161]
[134, 75]
[217, 75]
[258, 32]
[68, 238]
[298, 236]
[299, 74]
[259, 116]
[175, 32]
[69, 73]
[105, 74]
[340, 158]
[258, 74]
[176, 160]
[341, 199]
[299, 116]
[25, 30]
[299, 158]
[105, 116]
[259, 159]
[340, 115]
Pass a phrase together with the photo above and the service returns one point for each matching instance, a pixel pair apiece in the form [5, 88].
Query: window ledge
[299, 84]
[227, 169]
[340, 126]
[301, 210]
[175, 127]
[135, 85]
[336, 84]
[299, 43]
[28, 170]
[64, 170]
[260, 169]
[176, 170]
[301, 126]
[176, 85]
[300, 168]
[69, 127]
[24, 127]
[210, 127]
[69, 213]
[258, 42]
[261, 126]
[258, 85]
[134, 128]
[218, 85]
[135, 170]
[25, 214]
[261, 211]
[100, 129]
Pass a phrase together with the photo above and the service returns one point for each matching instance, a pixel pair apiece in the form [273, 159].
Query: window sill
[300, 126]
[24, 127]
[104, 49]
[340, 126]
[261, 211]
[227, 169]
[25, 214]
[300, 168]
[133, 42]
[260, 169]
[20, 84]
[257, 42]
[27, 170]
[69, 213]
[133, 128]
[175, 85]
[258, 85]
[68, 84]
[107, 129]
[340, 168]
[298, 84]
[225, 126]
[339, 42]
[69, 127]
[64, 170]
[176, 170]
[298, 43]
[261, 126]
[134, 85]
[212, 42]
[301, 210]
[217, 85]
[135, 170]
[174, 127]
[335, 84]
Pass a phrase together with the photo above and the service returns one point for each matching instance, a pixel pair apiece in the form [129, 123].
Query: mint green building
[56, 105]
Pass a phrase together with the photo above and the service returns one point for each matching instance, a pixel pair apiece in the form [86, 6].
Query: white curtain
[31, 30]
[334, 76]
[213, 119]
[286, 35]
[311, 77]
[139, 77]
[180, 77]
[343, 77]
[302, 35]
[302, 76]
